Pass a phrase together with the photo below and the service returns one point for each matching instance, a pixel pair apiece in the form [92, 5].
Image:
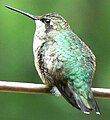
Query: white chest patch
[37, 43]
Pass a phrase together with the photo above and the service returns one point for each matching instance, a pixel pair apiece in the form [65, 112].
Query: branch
[32, 88]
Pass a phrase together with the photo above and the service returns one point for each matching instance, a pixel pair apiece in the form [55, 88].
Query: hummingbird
[63, 61]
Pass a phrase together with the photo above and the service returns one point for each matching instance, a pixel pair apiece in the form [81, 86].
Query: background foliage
[90, 19]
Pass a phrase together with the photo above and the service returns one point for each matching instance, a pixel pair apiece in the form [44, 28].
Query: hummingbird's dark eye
[47, 21]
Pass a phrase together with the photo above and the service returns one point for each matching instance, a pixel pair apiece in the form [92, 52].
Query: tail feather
[97, 110]
[85, 104]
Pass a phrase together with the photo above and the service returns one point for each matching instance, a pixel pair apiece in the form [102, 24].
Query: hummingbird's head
[52, 22]
[46, 23]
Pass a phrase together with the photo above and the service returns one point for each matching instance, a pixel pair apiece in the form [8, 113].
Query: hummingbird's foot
[55, 91]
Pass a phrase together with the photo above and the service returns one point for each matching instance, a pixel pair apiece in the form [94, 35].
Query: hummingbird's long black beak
[20, 11]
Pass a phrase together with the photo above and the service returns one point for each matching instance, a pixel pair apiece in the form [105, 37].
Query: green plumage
[64, 61]
[70, 62]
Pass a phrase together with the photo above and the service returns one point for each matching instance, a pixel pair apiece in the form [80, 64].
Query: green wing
[78, 66]
[70, 65]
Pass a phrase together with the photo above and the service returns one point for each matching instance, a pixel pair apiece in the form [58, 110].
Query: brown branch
[32, 88]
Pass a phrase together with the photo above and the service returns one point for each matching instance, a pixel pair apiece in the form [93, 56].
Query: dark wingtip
[67, 94]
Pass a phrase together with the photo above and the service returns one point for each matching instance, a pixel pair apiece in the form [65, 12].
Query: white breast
[37, 43]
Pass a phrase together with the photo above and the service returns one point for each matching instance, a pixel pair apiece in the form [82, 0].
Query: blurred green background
[90, 19]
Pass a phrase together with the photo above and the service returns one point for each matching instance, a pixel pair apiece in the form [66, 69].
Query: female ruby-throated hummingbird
[63, 61]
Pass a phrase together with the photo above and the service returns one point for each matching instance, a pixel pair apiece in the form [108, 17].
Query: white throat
[39, 34]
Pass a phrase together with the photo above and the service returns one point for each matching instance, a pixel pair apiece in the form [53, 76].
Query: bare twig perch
[32, 88]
